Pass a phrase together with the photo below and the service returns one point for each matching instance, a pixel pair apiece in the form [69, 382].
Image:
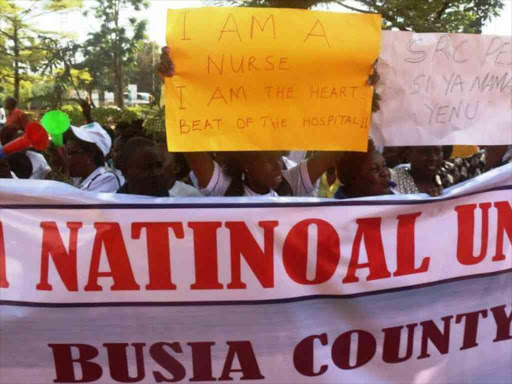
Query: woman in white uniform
[86, 149]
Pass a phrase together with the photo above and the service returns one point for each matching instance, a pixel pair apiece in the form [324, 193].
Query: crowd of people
[125, 160]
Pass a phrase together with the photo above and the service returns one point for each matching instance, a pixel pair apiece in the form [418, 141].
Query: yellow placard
[269, 79]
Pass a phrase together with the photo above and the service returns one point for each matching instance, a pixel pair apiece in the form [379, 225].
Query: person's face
[426, 160]
[264, 170]
[374, 177]
[393, 156]
[79, 161]
[144, 173]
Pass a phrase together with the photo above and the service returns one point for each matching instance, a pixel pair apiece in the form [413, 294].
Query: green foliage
[154, 124]
[112, 48]
[453, 16]
[142, 72]
[23, 48]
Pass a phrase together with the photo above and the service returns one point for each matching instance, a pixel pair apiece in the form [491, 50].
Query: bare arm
[202, 165]
[319, 163]
[199, 162]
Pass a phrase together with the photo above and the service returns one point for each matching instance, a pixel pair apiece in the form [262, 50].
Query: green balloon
[58, 139]
[55, 122]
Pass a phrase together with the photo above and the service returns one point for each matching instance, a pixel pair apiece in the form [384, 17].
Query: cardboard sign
[443, 89]
[269, 79]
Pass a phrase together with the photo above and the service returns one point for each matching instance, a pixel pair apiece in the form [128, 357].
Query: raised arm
[319, 163]
[202, 165]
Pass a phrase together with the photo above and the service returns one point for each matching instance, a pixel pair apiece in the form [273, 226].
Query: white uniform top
[100, 180]
[40, 166]
[180, 189]
[118, 173]
[297, 177]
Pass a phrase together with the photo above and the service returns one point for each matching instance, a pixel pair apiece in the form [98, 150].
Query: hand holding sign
[56, 123]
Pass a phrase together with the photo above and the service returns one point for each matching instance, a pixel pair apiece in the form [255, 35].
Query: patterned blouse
[452, 172]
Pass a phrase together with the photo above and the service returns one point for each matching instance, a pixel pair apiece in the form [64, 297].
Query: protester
[16, 118]
[262, 175]
[457, 170]
[117, 164]
[171, 171]
[363, 174]
[143, 169]
[86, 149]
[422, 173]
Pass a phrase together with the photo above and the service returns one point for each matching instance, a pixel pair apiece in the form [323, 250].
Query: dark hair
[447, 152]
[91, 148]
[12, 100]
[129, 133]
[137, 124]
[122, 126]
[20, 164]
[130, 148]
[236, 188]
[349, 163]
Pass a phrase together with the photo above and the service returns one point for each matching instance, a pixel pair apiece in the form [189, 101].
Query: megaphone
[35, 137]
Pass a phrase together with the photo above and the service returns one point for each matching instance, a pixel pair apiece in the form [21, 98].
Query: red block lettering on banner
[3, 272]
[202, 361]
[392, 342]
[168, 362]
[466, 233]
[405, 259]
[295, 252]
[110, 236]
[122, 363]
[243, 351]
[118, 362]
[64, 363]
[65, 262]
[370, 230]
[366, 346]
[470, 327]
[503, 323]
[244, 244]
[303, 356]
[205, 255]
[440, 339]
[159, 252]
[504, 225]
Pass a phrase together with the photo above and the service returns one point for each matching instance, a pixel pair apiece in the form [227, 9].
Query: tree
[21, 47]
[116, 42]
[450, 16]
[142, 73]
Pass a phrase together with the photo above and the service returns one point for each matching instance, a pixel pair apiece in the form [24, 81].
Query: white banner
[443, 89]
[106, 288]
